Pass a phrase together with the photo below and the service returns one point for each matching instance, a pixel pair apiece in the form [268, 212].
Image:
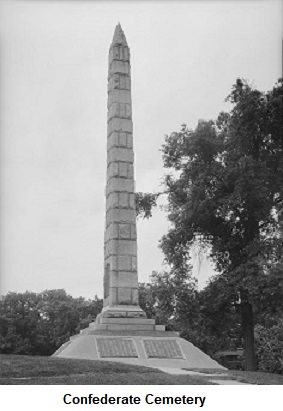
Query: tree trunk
[248, 333]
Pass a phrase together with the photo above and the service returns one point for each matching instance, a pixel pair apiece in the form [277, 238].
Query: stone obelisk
[121, 332]
[120, 249]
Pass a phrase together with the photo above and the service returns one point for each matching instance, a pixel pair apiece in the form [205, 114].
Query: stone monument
[120, 250]
[121, 332]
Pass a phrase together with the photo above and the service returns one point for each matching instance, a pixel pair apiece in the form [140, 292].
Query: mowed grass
[27, 370]
[250, 377]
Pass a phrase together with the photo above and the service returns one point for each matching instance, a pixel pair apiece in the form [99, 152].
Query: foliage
[225, 191]
[229, 183]
[39, 323]
[228, 194]
[220, 309]
[269, 347]
[168, 299]
[145, 202]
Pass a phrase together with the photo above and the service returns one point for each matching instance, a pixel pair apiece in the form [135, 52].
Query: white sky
[185, 56]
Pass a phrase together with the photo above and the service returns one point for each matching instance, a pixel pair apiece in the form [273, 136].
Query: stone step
[125, 325]
[159, 327]
[115, 326]
[128, 333]
[124, 321]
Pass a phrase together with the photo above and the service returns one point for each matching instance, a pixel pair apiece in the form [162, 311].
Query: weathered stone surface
[124, 279]
[112, 261]
[113, 140]
[119, 66]
[135, 295]
[115, 314]
[132, 202]
[117, 184]
[123, 169]
[112, 231]
[118, 52]
[122, 154]
[130, 170]
[120, 124]
[125, 295]
[124, 263]
[113, 170]
[120, 169]
[125, 230]
[127, 321]
[119, 96]
[119, 110]
[123, 200]
[112, 201]
[119, 37]
[120, 215]
[122, 247]
[129, 140]
[133, 232]
[125, 82]
[123, 140]
[159, 327]
[134, 263]
[119, 81]
[136, 327]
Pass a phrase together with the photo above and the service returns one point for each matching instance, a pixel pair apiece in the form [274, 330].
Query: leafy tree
[225, 190]
[39, 323]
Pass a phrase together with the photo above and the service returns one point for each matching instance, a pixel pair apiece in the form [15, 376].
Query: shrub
[269, 347]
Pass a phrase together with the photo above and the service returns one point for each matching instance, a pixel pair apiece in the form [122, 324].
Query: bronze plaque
[162, 349]
[116, 348]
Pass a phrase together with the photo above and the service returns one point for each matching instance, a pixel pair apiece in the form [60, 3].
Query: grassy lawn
[20, 369]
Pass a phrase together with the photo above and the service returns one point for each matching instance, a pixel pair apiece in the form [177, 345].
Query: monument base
[121, 311]
[134, 341]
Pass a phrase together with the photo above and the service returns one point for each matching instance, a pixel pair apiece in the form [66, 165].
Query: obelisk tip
[119, 36]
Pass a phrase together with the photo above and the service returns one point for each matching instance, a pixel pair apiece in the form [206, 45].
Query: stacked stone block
[120, 251]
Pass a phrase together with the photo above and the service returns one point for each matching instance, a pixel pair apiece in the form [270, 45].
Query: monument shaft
[121, 332]
[120, 249]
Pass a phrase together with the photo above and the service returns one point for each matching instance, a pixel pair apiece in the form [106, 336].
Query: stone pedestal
[139, 347]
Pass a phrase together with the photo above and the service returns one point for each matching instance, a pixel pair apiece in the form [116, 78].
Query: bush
[269, 347]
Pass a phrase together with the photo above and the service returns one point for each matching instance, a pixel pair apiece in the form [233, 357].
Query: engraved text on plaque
[116, 347]
[158, 348]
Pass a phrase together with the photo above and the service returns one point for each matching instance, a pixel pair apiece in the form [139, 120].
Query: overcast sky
[185, 57]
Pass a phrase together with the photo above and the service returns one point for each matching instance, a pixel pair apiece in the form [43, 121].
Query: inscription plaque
[162, 349]
[116, 348]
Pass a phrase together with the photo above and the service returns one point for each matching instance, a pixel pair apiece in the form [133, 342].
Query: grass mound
[19, 366]
[20, 369]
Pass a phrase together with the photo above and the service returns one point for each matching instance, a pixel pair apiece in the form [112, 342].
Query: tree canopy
[225, 192]
[39, 323]
[228, 189]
